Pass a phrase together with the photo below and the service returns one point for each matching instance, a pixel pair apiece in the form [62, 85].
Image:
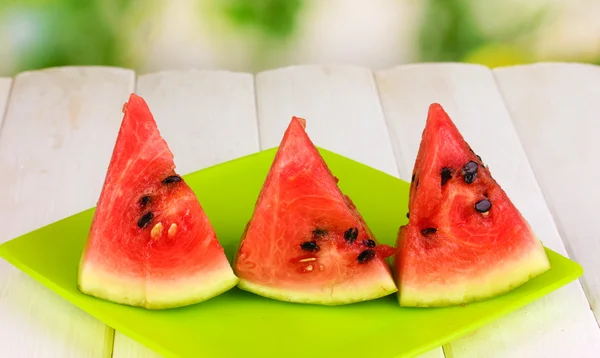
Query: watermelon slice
[150, 243]
[465, 240]
[306, 242]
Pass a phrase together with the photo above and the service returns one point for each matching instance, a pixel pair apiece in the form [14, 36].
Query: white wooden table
[537, 126]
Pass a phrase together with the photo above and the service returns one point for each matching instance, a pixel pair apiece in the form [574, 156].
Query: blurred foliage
[450, 32]
[496, 55]
[272, 18]
[66, 32]
[47, 33]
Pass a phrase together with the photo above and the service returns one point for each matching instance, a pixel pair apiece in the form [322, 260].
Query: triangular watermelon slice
[306, 242]
[465, 240]
[150, 243]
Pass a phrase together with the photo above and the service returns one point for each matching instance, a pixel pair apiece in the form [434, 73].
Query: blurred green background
[245, 35]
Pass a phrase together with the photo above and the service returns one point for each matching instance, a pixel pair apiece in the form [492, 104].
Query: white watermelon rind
[502, 277]
[179, 292]
[370, 288]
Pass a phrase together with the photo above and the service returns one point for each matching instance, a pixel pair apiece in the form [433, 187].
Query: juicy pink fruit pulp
[171, 258]
[301, 202]
[470, 255]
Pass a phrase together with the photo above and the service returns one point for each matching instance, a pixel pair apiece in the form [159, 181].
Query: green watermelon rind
[376, 290]
[528, 265]
[195, 291]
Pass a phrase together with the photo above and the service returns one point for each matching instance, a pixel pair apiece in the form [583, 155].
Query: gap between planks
[5, 90]
[113, 333]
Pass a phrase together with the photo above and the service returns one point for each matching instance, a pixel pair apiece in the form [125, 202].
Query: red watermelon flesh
[465, 240]
[306, 242]
[150, 243]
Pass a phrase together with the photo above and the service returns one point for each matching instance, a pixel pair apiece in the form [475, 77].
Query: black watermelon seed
[446, 174]
[408, 215]
[469, 178]
[417, 184]
[478, 157]
[483, 205]
[172, 179]
[145, 220]
[351, 234]
[469, 172]
[366, 256]
[369, 243]
[309, 246]
[144, 200]
[412, 179]
[470, 168]
[319, 232]
[429, 230]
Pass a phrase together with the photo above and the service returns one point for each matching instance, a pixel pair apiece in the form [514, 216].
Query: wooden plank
[55, 145]
[560, 323]
[556, 113]
[206, 117]
[340, 104]
[342, 110]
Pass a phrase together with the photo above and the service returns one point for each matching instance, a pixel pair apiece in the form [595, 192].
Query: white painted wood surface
[556, 110]
[207, 118]
[55, 145]
[340, 103]
[555, 326]
[60, 125]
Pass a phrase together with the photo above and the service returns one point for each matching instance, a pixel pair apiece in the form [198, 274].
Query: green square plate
[240, 324]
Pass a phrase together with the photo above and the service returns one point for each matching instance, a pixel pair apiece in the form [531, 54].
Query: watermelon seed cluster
[350, 237]
[469, 171]
[365, 256]
[145, 200]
